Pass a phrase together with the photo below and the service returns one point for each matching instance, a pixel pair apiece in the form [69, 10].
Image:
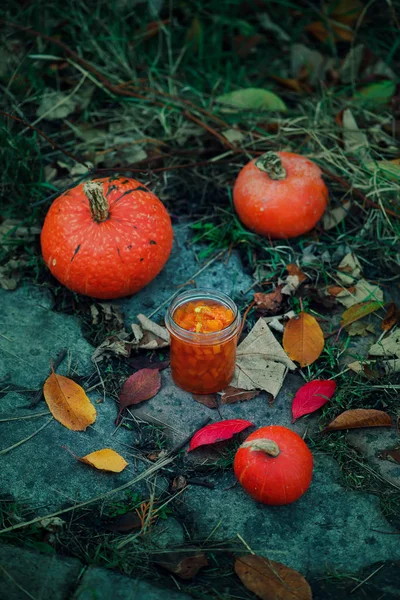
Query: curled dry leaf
[363, 291]
[349, 269]
[271, 580]
[105, 460]
[312, 396]
[179, 483]
[271, 302]
[261, 362]
[218, 432]
[140, 386]
[231, 395]
[68, 402]
[149, 335]
[209, 400]
[334, 216]
[303, 339]
[358, 311]
[184, 565]
[115, 345]
[125, 523]
[391, 318]
[389, 346]
[294, 279]
[358, 418]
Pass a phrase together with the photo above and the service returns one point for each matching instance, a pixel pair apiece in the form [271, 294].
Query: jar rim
[205, 336]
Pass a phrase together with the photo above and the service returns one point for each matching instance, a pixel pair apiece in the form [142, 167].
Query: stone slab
[31, 334]
[26, 574]
[225, 274]
[328, 529]
[370, 443]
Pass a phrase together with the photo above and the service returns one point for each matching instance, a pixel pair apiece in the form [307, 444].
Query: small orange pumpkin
[274, 465]
[106, 238]
[280, 195]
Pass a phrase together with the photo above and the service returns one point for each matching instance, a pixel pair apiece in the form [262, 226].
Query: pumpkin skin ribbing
[114, 257]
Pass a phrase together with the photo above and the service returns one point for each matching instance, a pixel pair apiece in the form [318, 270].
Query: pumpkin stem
[98, 203]
[263, 445]
[271, 163]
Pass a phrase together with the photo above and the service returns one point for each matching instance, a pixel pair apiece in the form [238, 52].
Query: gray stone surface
[99, 584]
[31, 334]
[23, 572]
[167, 533]
[225, 275]
[370, 443]
[328, 529]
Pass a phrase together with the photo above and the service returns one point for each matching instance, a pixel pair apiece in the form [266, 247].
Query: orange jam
[204, 331]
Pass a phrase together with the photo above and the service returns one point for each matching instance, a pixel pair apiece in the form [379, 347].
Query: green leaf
[386, 168]
[253, 99]
[376, 94]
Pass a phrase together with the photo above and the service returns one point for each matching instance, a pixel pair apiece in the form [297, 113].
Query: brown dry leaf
[109, 313]
[232, 395]
[366, 367]
[393, 455]
[125, 523]
[360, 417]
[209, 400]
[115, 345]
[105, 460]
[358, 311]
[184, 565]
[294, 279]
[335, 290]
[149, 335]
[269, 302]
[389, 346]
[349, 269]
[68, 402]
[291, 83]
[303, 339]
[179, 483]
[271, 580]
[341, 15]
[363, 291]
[391, 318]
[261, 362]
[360, 328]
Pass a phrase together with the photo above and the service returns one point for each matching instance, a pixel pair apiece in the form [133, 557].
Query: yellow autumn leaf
[303, 339]
[68, 402]
[105, 460]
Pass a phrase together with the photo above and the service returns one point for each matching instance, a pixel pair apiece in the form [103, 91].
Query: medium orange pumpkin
[274, 465]
[280, 195]
[106, 238]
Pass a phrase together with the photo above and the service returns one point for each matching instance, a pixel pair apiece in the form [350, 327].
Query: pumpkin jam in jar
[204, 327]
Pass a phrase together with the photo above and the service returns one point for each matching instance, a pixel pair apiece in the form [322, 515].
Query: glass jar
[203, 362]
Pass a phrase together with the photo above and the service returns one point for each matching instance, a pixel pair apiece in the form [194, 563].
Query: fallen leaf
[109, 313]
[391, 318]
[304, 59]
[291, 83]
[303, 339]
[358, 311]
[293, 269]
[390, 169]
[393, 455]
[261, 362]
[355, 141]
[269, 302]
[231, 395]
[52, 524]
[389, 346]
[269, 25]
[253, 99]
[56, 105]
[365, 367]
[360, 417]
[105, 460]
[233, 135]
[376, 94]
[140, 386]
[334, 216]
[68, 402]
[149, 335]
[179, 483]
[115, 345]
[270, 580]
[183, 565]
[359, 328]
[312, 396]
[125, 523]
[208, 400]
[363, 291]
[245, 45]
[218, 432]
[148, 362]
[339, 16]
[335, 290]
[351, 64]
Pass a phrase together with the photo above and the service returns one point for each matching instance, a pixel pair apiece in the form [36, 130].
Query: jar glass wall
[203, 360]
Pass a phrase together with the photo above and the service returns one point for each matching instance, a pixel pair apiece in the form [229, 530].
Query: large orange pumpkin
[106, 238]
[274, 465]
[280, 195]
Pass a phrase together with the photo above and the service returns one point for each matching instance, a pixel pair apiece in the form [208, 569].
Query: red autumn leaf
[140, 386]
[311, 396]
[217, 432]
